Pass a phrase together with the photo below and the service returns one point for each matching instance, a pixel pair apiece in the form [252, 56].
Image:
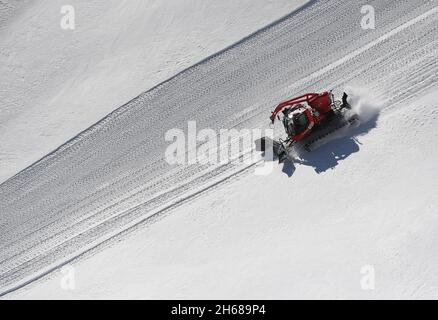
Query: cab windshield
[300, 122]
[295, 124]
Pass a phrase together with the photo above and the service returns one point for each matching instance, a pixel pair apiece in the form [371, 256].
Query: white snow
[306, 230]
[54, 83]
[363, 103]
[307, 236]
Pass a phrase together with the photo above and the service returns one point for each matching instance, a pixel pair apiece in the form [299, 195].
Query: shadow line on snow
[329, 155]
[125, 107]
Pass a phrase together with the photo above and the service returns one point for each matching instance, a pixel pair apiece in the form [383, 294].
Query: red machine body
[308, 120]
[305, 116]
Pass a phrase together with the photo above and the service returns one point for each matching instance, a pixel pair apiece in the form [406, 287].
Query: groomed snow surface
[132, 226]
[54, 83]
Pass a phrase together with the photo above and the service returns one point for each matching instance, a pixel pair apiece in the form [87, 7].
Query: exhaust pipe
[345, 103]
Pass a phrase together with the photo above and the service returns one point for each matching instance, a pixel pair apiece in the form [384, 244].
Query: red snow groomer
[307, 119]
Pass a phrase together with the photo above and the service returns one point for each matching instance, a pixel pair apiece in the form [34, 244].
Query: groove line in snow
[130, 195]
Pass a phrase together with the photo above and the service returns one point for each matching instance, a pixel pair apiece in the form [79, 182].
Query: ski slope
[55, 83]
[218, 231]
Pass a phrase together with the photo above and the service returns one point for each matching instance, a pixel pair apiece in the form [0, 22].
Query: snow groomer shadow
[321, 131]
[329, 155]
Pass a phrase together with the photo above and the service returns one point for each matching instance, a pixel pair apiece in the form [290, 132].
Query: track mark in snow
[366, 47]
[112, 176]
